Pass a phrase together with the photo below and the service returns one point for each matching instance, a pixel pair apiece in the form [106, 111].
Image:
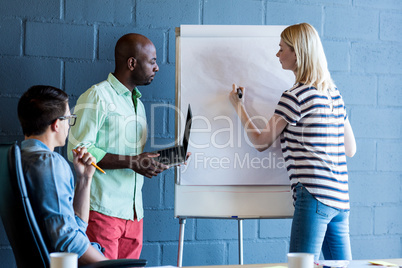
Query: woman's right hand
[234, 97]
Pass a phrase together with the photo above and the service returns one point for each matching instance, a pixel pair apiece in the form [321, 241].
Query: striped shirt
[313, 143]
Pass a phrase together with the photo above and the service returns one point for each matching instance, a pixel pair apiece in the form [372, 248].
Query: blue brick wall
[69, 44]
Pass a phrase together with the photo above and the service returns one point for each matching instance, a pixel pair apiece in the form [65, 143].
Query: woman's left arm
[350, 142]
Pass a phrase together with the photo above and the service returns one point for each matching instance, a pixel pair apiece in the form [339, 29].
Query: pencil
[95, 165]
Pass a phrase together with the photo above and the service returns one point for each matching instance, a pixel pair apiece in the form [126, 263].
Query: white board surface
[209, 64]
[226, 176]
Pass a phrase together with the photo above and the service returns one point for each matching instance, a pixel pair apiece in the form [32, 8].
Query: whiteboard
[225, 171]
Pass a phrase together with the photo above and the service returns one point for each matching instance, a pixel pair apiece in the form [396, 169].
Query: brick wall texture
[69, 44]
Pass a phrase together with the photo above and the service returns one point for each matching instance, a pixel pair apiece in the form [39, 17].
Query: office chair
[19, 220]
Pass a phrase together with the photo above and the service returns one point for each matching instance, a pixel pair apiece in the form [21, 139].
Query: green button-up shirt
[109, 122]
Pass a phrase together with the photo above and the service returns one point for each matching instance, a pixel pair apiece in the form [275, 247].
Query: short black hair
[39, 106]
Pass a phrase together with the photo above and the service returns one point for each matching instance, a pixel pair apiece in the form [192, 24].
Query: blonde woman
[316, 137]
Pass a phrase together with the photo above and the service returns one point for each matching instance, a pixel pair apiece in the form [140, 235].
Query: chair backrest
[16, 212]
[19, 220]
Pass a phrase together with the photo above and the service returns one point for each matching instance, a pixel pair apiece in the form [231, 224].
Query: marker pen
[239, 93]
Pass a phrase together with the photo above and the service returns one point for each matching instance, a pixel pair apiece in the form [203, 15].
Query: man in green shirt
[111, 121]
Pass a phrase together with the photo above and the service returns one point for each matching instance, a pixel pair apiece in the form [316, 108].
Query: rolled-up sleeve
[67, 234]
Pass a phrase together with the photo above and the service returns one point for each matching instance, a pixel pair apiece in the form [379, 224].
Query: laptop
[176, 155]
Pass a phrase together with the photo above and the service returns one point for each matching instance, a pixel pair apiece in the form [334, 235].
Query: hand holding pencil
[85, 158]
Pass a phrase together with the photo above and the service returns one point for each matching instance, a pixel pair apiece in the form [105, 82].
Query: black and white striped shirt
[313, 143]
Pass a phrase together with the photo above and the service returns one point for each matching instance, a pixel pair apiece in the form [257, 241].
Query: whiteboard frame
[228, 202]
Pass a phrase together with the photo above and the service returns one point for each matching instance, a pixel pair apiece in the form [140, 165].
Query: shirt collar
[120, 88]
[34, 143]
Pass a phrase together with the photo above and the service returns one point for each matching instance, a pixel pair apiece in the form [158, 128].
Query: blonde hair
[312, 67]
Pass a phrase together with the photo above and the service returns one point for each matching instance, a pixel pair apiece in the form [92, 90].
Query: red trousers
[122, 239]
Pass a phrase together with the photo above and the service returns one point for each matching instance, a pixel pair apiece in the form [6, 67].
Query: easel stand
[182, 222]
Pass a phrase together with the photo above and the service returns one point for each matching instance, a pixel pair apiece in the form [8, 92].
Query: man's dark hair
[39, 107]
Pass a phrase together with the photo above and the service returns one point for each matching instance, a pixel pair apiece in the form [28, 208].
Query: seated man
[62, 214]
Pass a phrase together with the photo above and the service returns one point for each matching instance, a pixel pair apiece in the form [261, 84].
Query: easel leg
[240, 222]
[182, 222]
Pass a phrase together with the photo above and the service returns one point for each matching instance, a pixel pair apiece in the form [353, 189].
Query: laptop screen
[187, 129]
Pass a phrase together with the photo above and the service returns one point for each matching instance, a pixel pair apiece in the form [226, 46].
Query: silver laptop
[176, 155]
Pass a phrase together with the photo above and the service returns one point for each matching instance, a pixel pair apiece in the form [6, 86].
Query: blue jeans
[317, 226]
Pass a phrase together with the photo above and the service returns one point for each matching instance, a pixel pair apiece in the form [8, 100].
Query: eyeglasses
[71, 119]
